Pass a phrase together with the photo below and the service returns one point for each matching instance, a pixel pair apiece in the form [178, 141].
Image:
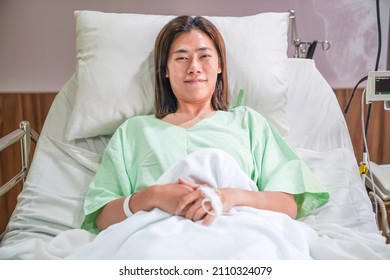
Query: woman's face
[193, 66]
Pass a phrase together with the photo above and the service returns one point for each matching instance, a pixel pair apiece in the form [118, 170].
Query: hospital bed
[114, 81]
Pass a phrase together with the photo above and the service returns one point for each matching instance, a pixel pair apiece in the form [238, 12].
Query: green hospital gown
[143, 147]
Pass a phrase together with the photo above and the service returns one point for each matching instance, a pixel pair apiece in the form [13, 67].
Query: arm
[273, 201]
[164, 197]
[191, 208]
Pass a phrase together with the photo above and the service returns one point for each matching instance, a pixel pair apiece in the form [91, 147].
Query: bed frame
[24, 134]
[35, 233]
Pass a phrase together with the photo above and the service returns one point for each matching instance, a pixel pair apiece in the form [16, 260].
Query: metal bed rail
[24, 134]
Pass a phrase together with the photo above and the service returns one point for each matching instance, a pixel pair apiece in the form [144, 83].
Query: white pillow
[115, 67]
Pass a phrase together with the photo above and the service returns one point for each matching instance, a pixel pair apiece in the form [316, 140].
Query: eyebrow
[186, 51]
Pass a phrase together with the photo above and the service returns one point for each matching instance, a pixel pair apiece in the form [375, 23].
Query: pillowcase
[115, 67]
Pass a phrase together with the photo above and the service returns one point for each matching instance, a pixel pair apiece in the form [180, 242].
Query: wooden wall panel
[15, 108]
[378, 133]
[34, 107]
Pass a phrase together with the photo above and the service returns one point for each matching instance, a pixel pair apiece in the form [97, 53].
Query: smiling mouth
[195, 81]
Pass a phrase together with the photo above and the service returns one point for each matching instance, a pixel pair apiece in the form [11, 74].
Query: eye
[180, 58]
[205, 56]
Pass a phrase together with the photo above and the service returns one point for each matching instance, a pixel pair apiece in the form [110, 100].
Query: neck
[187, 116]
[194, 110]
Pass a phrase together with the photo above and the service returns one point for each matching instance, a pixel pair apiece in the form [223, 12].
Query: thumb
[188, 183]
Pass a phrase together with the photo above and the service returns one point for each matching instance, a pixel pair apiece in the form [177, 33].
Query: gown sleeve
[280, 169]
[111, 180]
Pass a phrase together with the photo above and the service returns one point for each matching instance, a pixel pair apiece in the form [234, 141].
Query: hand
[191, 205]
[168, 196]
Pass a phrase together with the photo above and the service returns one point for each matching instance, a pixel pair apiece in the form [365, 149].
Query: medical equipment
[303, 49]
[374, 176]
[381, 177]
[377, 180]
[290, 92]
[378, 87]
[377, 177]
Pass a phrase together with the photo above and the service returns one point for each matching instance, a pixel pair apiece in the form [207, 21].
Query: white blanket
[243, 233]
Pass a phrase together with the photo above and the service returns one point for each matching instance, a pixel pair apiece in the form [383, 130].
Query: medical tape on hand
[212, 196]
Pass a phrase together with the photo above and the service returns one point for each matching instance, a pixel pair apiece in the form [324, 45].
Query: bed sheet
[61, 171]
[149, 235]
[250, 233]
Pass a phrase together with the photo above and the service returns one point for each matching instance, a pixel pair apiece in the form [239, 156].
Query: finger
[188, 183]
[186, 202]
[187, 188]
[208, 220]
[183, 212]
[203, 212]
[195, 212]
[174, 187]
[199, 214]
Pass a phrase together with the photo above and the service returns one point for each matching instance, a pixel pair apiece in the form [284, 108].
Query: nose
[194, 67]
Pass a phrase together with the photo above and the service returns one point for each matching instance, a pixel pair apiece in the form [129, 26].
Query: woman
[191, 113]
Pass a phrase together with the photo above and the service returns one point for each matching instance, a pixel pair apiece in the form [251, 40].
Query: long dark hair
[164, 99]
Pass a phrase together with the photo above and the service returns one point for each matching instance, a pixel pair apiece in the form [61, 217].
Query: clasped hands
[186, 199]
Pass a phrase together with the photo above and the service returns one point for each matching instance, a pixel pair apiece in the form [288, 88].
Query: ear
[167, 73]
[219, 71]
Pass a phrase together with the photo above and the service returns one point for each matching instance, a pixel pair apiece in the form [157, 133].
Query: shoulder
[245, 110]
[125, 133]
[248, 114]
[136, 121]
[132, 124]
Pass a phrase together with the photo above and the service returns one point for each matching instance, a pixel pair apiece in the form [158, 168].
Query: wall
[37, 51]
[15, 108]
